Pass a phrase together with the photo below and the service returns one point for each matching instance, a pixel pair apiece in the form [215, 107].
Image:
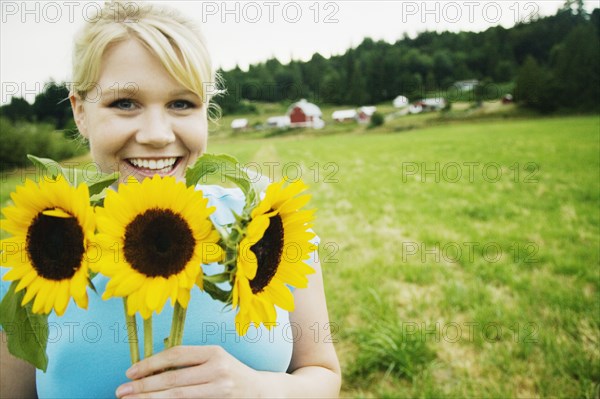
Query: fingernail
[124, 390]
[132, 371]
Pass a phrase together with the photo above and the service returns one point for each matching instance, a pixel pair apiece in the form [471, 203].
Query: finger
[179, 356]
[169, 379]
[198, 391]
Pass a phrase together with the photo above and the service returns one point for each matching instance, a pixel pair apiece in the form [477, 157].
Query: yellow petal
[130, 283]
[281, 296]
[172, 288]
[49, 304]
[26, 280]
[16, 273]
[133, 303]
[33, 289]
[62, 298]
[41, 298]
[183, 297]
[79, 283]
[58, 213]
[82, 302]
[155, 292]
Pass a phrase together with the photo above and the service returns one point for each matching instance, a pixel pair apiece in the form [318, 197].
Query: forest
[553, 61]
[550, 64]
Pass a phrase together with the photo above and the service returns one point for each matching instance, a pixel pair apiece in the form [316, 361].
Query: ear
[78, 113]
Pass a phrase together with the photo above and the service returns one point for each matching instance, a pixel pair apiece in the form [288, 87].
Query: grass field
[460, 259]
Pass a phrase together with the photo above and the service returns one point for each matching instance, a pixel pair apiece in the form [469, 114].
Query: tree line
[44, 128]
[554, 63]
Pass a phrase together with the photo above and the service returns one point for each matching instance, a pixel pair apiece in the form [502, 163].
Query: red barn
[305, 114]
[365, 114]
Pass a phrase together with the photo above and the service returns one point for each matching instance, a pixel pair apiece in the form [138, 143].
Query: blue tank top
[88, 351]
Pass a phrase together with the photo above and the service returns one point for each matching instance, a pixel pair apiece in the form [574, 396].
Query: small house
[466, 85]
[431, 104]
[365, 113]
[279, 122]
[305, 114]
[415, 109]
[239, 124]
[345, 115]
[401, 102]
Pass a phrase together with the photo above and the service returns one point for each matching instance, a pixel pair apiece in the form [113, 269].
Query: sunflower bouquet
[163, 236]
[265, 248]
[49, 252]
[153, 238]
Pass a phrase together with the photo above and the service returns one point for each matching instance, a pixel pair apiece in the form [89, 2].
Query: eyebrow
[181, 92]
[128, 89]
[131, 89]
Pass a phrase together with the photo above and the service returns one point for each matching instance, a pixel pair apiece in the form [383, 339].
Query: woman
[143, 87]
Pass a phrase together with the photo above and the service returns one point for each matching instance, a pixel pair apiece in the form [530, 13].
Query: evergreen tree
[577, 69]
[18, 110]
[532, 87]
[52, 105]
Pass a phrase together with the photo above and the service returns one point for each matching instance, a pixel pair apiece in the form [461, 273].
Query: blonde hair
[174, 39]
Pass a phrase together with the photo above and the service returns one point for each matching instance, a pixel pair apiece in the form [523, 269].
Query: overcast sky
[36, 36]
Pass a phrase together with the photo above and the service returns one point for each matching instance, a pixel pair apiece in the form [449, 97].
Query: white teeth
[153, 164]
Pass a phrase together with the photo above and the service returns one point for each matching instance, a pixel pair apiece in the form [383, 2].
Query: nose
[155, 129]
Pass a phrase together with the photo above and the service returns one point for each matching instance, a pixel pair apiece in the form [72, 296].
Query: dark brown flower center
[55, 246]
[159, 242]
[268, 252]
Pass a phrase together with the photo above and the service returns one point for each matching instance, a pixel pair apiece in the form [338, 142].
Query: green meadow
[460, 258]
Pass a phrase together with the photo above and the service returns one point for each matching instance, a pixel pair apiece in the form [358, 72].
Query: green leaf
[226, 165]
[47, 165]
[98, 185]
[97, 182]
[27, 332]
[258, 181]
[251, 183]
[217, 278]
[217, 293]
[91, 283]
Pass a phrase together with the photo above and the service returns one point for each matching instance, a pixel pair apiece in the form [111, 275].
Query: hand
[193, 372]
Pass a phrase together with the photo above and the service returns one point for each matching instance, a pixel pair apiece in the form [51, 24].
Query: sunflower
[52, 225]
[155, 234]
[271, 255]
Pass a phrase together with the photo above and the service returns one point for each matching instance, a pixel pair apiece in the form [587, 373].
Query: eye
[123, 104]
[182, 104]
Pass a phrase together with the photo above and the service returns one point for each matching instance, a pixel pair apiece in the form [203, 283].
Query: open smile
[152, 166]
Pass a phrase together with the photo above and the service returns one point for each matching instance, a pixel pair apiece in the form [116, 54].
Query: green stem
[132, 335]
[176, 336]
[148, 340]
[217, 278]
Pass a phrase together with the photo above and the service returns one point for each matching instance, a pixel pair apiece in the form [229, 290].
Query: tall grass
[493, 272]
[460, 260]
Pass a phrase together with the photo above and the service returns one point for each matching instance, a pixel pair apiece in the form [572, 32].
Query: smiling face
[139, 120]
